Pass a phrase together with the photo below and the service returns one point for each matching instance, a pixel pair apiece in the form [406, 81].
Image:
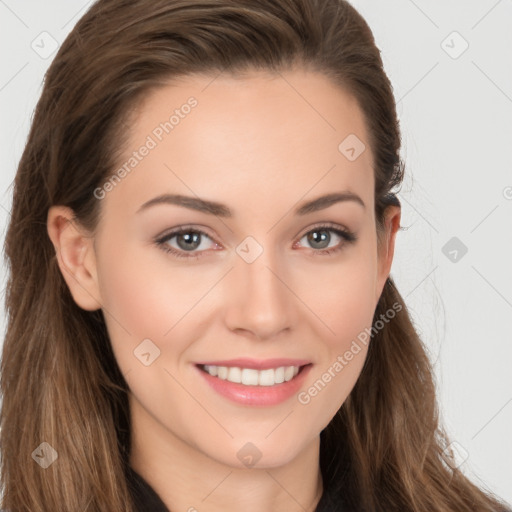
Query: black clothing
[144, 497]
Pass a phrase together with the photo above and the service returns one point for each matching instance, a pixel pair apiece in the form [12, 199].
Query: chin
[264, 454]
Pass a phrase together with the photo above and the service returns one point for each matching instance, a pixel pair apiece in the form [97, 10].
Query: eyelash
[348, 236]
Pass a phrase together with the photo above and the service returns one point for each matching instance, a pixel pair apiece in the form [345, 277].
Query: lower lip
[257, 395]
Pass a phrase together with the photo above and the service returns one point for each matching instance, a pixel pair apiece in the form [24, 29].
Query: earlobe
[386, 247]
[75, 257]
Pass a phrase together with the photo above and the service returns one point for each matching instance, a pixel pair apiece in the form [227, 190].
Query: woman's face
[256, 274]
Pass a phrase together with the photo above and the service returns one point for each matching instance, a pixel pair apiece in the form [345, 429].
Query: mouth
[268, 383]
[253, 377]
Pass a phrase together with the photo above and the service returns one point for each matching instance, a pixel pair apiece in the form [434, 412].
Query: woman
[175, 337]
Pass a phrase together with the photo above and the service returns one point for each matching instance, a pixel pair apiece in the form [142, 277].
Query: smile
[254, 387]
[252, 377]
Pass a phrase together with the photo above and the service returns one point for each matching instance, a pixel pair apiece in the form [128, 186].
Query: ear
[75, 255]
[386, 247]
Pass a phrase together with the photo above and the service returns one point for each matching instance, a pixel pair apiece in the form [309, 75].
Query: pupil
[190, 239]
[323, 235]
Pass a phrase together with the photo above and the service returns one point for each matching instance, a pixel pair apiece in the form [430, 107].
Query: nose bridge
[260, 301]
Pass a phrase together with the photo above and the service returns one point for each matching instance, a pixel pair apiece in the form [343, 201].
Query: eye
[320, 238]
[187, 239]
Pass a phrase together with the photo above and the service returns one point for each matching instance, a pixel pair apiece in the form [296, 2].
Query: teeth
[251, 377]
[288, 373]
[279, 375]
[234, 374]
[222, 372]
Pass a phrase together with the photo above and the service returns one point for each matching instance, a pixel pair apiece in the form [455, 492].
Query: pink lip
[256, 364]
[256, 395]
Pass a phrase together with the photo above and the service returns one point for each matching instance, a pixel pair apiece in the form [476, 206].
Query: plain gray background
[450, 63]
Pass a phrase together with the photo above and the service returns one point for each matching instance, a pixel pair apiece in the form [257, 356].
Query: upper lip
[256, 364]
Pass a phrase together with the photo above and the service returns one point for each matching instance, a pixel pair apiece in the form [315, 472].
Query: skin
[262, 145]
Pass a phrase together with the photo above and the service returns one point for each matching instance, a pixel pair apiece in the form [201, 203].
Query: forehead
[249, 141]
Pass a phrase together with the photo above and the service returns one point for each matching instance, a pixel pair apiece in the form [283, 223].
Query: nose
[259, 299]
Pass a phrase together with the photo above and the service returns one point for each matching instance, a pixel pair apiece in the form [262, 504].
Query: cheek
[138, 303]
[353, 308]
[134, 288]
[145, 296]
[342, 294]
[346, 306]
[343, 353]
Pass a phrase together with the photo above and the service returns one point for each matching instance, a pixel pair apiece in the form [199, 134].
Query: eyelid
[196, 228]
[325, 224]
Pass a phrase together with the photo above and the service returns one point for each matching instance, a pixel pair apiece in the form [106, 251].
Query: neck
[189, 480]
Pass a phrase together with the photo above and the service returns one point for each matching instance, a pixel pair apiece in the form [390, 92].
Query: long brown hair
[60, 382]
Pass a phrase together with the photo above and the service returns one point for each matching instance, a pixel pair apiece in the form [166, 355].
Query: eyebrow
[221, 210]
